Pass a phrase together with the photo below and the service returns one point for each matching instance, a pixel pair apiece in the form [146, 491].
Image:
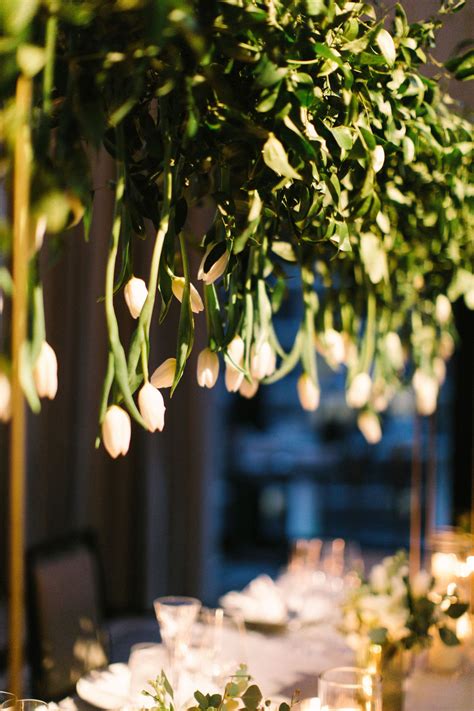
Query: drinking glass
[30, 705]
[176, 616]
[7, 700]
[219, 640]
[350, 689]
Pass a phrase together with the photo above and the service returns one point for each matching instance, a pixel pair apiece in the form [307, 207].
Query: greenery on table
[396, 612]
[274, 138]
[239, 695]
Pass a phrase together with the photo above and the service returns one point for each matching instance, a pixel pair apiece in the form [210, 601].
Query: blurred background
[220, 495]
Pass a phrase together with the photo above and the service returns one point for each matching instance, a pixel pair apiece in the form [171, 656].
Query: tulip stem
[120, 361]
[48, 74]
[369, 340]
[108, 380]
[141, 335]
[144, 354]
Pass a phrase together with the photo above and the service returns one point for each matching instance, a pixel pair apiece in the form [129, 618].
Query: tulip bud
[308, 393]
[40, 231]
[214, 263]
[359, 390]
[233, 376]
[446, 345]
[380, 395]
[207, 368]
[116, 431]
[248, 389]
[439, 369]
[135, 293]
[350, 350]
[262, 361]
[394, 350]
[152, 407]
[45, 372]
[163, 377]
[335, 350]
[426, 392]
[443, 309]
[5, 398]
[178, 289]
[369, 425]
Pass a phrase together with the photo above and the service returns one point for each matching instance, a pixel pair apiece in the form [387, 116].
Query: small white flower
[45, 372]
[178, 288]
[234, 376]
[308, 393]
[248, 389]
[394, 350]
[359, 390]
[378, 158]
[116, 431]
[214, 263]
[5, 398]
[369, 425]
[262, 360]
[443, 309]
[426, 392]
[421, 583]
[135, 293]
[207, 368]
[163, 377]
[152, 407]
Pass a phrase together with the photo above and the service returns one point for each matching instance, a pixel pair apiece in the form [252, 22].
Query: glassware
[350, 689]
[176, 616]
[7, 700]
[30, 705]
[219, 640]
[145, 661]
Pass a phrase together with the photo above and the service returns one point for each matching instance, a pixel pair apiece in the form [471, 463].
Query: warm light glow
[464, 627]
[311, 704]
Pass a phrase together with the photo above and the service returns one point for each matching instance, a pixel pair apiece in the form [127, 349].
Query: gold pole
[431, 481]
[415, 500]
[21, 194]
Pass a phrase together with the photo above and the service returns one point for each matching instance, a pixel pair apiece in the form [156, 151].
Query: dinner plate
[106, 688]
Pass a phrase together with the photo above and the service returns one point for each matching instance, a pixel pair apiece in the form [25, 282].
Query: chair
[65, 614]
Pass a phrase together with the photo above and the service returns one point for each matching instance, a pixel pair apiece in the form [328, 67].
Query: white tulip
[443, 309]
[421, 583]
[248, 389]
[40, 231]
[378, 158]
[163, 377]
[45, 372]
[233, 378]
[426, 392]
[207, 368]
[359, 390]
[236, 349]
[380, 395]
[178, 288]
[214, 263]
[446, 345]
[152, 407]
[439, 369]
[5, 398]
[308, 393]
[394, 349]
[334, 346]
[135, 293]
[262, 361]
[116, 431]
[369, 425]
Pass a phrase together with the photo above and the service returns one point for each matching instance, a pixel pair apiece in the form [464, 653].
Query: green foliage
[308, 124]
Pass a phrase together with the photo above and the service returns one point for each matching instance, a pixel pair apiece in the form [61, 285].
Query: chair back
[64, 614]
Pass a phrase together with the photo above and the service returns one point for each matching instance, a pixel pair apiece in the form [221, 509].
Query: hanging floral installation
[277, 139]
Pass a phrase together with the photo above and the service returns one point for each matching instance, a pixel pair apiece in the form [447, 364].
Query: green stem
[108, 380]
[369, 340]
[50, 50]
[141, 335]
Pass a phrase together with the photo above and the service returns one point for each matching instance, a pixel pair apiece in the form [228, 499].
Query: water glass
[7, 700]
[350, 689]
[176, 616]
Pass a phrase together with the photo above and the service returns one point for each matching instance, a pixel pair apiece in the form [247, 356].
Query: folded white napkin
[260, 601]
[107, 688]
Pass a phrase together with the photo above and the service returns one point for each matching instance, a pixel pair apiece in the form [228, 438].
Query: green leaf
[386, 45]
[26, 378]
[252, 697]
[374, 257]
[185, 336]
[462, 67]
[456, 610]
[275, 157]
[378, 635]
[343, 136]
[6, 281]
[448, 637]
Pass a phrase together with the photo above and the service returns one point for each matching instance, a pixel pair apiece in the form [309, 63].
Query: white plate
[106, 688]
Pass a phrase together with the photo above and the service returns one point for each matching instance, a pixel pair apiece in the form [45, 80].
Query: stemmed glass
[7, 700]
[350, 689]
[176, 616]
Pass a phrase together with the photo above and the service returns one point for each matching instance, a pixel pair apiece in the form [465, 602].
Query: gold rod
[21, 196]
[431, 479]
[415, 500]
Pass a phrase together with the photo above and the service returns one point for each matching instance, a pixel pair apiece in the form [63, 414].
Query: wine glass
[176, 616]
[7, 700]
[350, 689]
